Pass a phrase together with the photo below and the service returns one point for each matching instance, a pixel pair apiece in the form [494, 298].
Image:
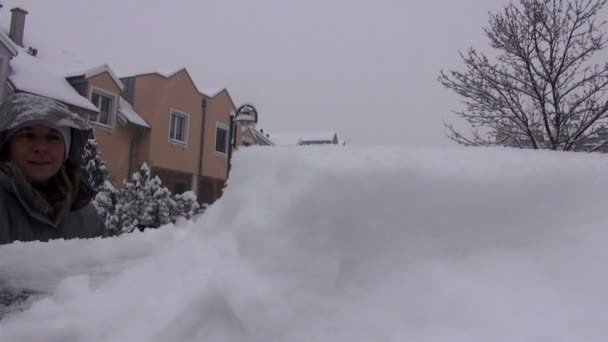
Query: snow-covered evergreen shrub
[143, 202]
[185, 205]
[106, 202]
[94, 169]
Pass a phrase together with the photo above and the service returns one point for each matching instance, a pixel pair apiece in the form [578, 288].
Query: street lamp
[246, 116]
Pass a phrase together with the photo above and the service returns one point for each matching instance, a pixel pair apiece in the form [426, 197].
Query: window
[221, 139]
[105, 104]
[178, 131]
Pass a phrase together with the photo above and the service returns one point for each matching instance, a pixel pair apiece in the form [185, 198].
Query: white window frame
[219, 125]
[113, 107]
[179, 113]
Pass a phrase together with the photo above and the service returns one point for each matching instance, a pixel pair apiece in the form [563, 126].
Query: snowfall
[343, 243]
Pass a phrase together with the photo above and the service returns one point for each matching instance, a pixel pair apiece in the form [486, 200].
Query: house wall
[4, 52]
[245, 135]
[176, 182]
[215, 164]
[115, 142]
[210, 189]
[5, 57]
[149, 89]
[155, 96]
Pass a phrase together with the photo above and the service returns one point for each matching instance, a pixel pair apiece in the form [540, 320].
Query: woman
[41, 196]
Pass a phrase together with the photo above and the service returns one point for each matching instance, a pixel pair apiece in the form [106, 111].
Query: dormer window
[106, 105]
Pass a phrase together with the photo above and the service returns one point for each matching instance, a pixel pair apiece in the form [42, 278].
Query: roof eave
[8, 43]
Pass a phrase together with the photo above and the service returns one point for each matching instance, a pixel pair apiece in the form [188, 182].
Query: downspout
[230, 135]
[202, 145]
[138, 132]
[132, 153]
[137, 135]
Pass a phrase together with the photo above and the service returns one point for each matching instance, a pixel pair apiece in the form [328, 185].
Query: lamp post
[246, 116]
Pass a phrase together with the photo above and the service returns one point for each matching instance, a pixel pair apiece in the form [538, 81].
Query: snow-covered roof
[6, 41]
[260, 138]
[168, 73]
[30, 74]
[299, 138]
[130, 115]
[42, 75]
[96, 71]
[211, 92]
[165, 72]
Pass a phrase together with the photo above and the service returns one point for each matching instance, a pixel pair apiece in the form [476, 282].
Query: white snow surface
[337, 243]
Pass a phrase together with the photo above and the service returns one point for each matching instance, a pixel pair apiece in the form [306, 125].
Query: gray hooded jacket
[21, 216]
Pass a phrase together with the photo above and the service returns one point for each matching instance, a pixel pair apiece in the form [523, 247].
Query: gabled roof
[166, 73]
[223, 91]
[96, 71]
[210, 93]
[126, 111]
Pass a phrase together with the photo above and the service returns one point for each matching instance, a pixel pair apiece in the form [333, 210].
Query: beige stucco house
[163, 120]
[187, 143]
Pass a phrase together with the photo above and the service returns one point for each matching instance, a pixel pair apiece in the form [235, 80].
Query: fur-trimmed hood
[20, 108]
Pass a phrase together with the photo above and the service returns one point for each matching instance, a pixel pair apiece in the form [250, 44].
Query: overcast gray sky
[367, 69]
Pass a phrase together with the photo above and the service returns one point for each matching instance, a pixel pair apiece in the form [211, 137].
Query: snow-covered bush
[143, 202]
[94, 169]
[184, 205]
[107, 204]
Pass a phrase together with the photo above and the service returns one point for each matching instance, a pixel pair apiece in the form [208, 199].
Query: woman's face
[38, 151]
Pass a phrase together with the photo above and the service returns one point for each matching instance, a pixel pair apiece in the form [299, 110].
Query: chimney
[17, 25]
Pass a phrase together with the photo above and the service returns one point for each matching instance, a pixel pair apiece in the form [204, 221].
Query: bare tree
[542, 91]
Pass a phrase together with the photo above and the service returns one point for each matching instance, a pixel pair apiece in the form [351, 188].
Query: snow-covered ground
[344, 244]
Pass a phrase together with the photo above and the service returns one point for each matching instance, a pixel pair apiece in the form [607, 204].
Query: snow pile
[335, 243]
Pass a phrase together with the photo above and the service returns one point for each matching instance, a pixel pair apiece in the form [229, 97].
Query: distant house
[164, 120]
[304, 138]
[253, 136]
